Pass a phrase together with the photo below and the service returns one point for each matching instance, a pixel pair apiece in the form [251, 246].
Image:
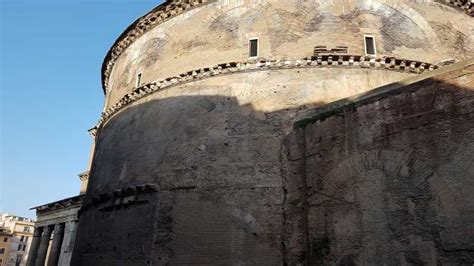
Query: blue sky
[51, 55]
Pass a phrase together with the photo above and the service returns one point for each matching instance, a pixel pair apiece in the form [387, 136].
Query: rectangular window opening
[139, 79]
[253, 43]
[18, 259]
[369, 42]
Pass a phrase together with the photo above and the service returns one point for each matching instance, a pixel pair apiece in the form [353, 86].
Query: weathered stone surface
[201, 165]
[390, 177]
[219, 30]
[290, 30]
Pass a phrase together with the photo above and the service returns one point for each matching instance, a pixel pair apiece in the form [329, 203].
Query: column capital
[59, 228]
[47, 230]
[38, 231]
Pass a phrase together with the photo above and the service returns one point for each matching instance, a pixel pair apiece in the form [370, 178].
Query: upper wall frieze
[158, 15]
[329, 61]
[172, 8]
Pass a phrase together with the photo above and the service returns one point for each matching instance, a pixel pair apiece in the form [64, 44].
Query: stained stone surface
[213, 149]
[210, 170]
[218, 32]
[389, 178]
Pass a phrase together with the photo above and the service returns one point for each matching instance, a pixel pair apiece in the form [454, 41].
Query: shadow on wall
[203, 180]
[190, 179]
[389, 177]
[177, 131]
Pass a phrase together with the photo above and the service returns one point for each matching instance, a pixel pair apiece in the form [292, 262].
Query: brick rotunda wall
[213, 32]
[188, 166]
[388, 178]
[192, 173]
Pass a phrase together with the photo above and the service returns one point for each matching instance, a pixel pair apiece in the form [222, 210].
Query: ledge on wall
[172, 8]
[376, 94]
[161, 13]
[351, 61]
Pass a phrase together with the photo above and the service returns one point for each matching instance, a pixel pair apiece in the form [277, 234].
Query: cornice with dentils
[161, 13]
[325, 61]
[173, 8]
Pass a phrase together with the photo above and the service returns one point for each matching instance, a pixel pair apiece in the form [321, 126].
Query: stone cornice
[5, 233]
[327, 61]
[466, 5]
[159, 14]
[84, 176]
[172, 8]
[126, 196]
[61, 204]
[355, 101]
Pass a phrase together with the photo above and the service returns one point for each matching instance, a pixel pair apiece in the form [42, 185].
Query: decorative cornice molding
[328, 61]
[84, 176]
[92, 132]
[354, 101]
[110, 200]
[62, 204]
[466, 5]
[159, 14]
[173, 8]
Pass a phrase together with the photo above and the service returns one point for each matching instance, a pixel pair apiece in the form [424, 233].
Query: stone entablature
[56, 221]
[466, 5]
[170, 9]
[119, 198]
[350, 61]
[58, 205]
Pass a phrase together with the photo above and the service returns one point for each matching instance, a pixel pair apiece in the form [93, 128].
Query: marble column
[55, 251]
[68, 243]
[43, 247]
[34, 246]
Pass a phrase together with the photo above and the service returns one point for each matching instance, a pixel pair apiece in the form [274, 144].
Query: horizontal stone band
[157, 16]
[170, 9]
[351, 61]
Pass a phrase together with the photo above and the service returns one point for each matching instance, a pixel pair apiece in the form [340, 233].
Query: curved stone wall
[218, 31]
[190, 168]
[210, 152]
[388, 175]
[174, 8]
[321, 61]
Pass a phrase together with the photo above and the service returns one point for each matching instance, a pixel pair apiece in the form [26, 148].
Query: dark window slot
[254, 48]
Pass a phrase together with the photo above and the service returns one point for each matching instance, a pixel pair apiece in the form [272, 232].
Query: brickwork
[357, 61]
[161, 13]
[196, 158]
[171, 9]
[388, 175]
